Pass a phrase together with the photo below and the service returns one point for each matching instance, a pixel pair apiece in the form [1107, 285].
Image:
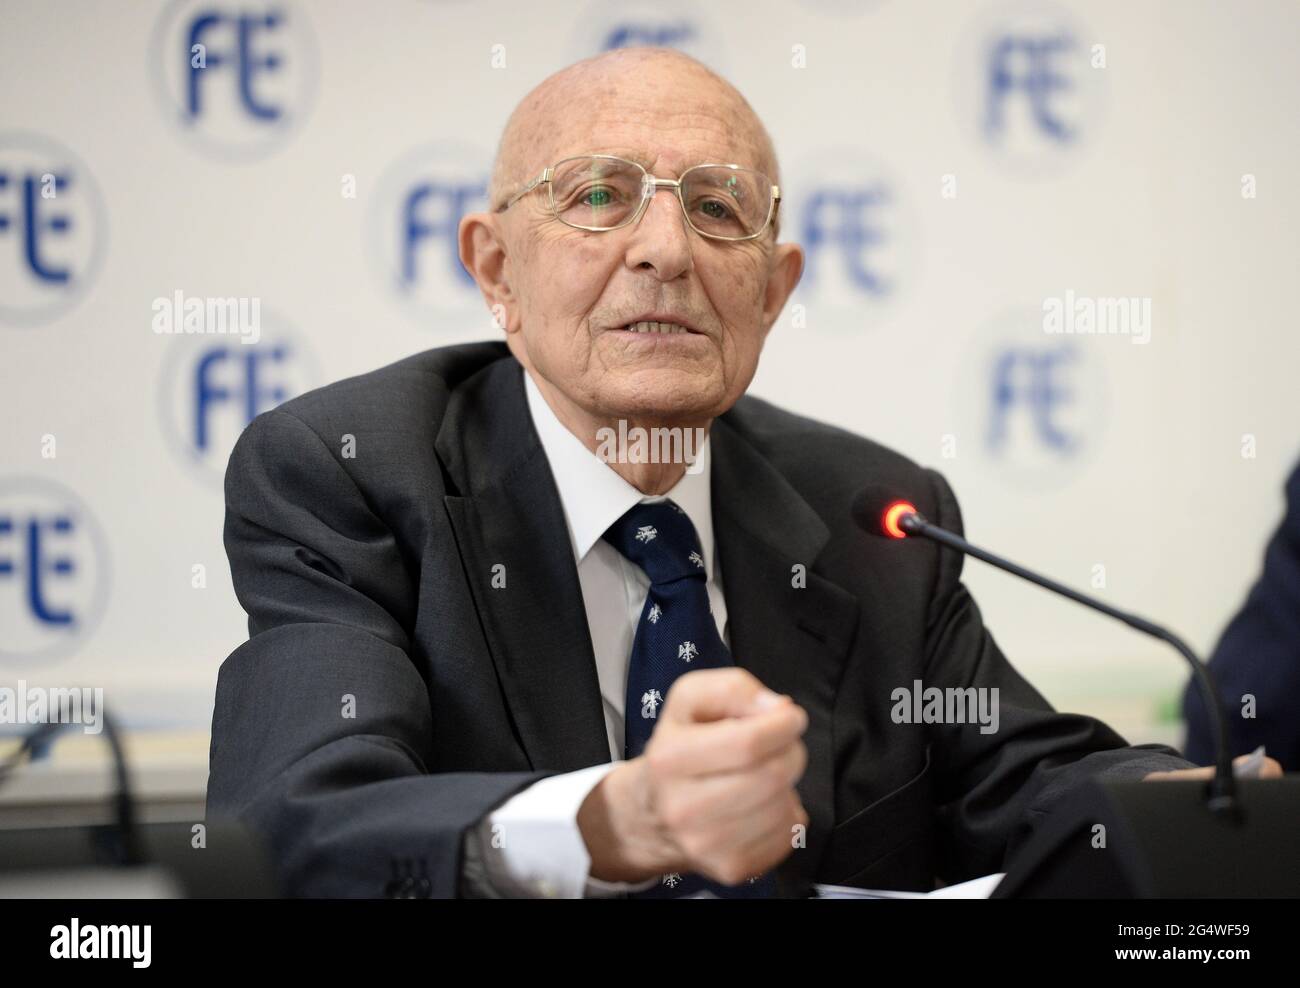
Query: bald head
[625, 101]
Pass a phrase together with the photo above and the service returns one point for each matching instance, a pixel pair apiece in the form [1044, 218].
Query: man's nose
[661, 240]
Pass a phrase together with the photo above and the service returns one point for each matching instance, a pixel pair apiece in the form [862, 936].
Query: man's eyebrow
[642, 158]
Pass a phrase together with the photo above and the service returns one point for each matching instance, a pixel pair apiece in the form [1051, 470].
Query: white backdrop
[950, 167]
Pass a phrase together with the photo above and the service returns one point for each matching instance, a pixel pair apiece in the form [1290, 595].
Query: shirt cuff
[531, 844]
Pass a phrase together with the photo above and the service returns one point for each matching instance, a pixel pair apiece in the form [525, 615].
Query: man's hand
[713, 793]
[1270, 769]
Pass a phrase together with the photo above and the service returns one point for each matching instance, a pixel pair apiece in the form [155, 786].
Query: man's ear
[483, 252]
[786, 268]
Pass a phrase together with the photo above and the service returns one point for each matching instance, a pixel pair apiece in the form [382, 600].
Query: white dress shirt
[541, 850]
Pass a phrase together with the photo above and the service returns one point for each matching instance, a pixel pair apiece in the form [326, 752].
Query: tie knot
[658, 536]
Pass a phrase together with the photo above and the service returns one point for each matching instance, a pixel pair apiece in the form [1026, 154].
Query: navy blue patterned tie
[675, 635]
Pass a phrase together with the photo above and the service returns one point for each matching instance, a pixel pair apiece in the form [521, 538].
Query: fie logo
[412, 231]
[858, 234]
[237, 79]
[1030, 86]
[53, 570]
[1037, 404]
[605, 26]
[212, 388]
[52, 229]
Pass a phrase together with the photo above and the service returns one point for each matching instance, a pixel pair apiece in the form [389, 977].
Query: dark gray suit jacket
[389, 697]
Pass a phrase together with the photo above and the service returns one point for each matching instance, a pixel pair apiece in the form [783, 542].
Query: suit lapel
[792, 637]
[510, 527]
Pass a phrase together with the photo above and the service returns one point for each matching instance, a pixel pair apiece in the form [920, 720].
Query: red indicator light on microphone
[893, 514]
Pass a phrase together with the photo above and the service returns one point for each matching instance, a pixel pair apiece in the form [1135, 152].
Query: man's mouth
[654, 326]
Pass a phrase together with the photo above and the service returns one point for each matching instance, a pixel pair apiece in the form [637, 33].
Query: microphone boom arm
[1223, 788]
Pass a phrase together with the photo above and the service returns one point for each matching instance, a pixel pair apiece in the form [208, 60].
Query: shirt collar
[594, 496]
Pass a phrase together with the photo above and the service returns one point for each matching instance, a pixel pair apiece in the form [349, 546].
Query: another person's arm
[1257, 662]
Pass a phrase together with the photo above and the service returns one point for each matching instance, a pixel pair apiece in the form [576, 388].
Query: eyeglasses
[601, 192]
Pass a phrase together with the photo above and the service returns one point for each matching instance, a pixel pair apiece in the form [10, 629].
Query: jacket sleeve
[322, 726]
[994, 788]
[1259, 657]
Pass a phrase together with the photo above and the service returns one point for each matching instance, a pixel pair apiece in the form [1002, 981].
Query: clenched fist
[713, 793]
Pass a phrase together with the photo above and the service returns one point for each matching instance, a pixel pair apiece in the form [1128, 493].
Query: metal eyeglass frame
[649, 186]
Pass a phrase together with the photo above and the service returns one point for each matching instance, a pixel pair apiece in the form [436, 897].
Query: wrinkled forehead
[665, 130]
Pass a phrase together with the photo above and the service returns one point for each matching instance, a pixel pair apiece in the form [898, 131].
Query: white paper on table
[976, 888]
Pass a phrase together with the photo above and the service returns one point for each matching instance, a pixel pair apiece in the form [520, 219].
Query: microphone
[881, 511]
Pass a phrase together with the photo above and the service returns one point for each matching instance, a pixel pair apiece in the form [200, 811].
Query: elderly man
[493, 653]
